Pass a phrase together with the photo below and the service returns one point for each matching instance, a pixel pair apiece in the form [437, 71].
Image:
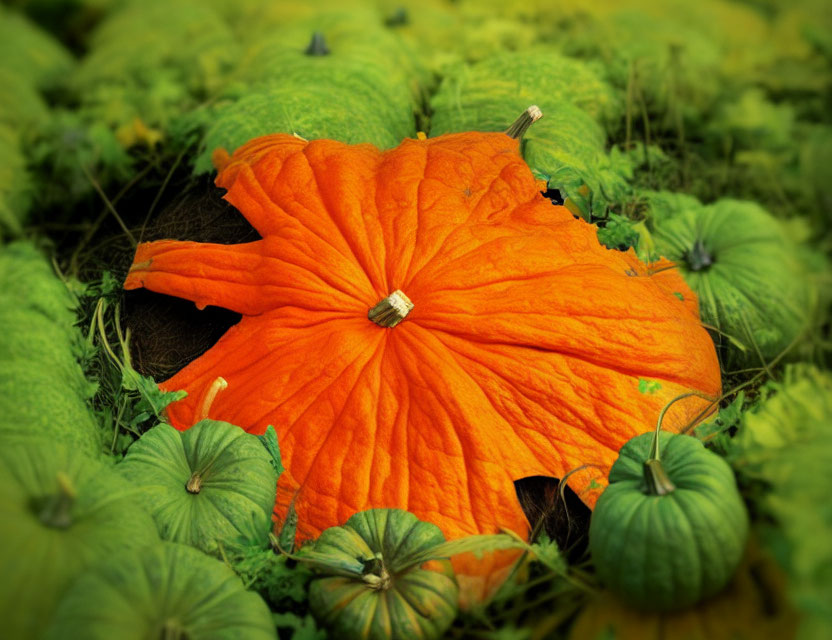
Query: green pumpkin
[60, 513]
[340, 75]
[567, 147]
[168, 591]
[746, 274]
[371, 588]
[667, 534]
[42, 386]
[211, 485]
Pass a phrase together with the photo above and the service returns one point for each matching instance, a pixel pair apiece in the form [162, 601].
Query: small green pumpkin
[210, 485]
[667, 533]
[374, 585]
[169, 591]
[60, 513]
[747, 274]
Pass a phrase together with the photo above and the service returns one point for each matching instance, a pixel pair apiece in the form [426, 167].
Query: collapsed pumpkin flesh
[522, 354]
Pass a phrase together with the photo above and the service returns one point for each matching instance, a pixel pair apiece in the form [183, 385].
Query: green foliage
[301, 628]
[648, 386]
[21, 105]
[545, 551]
[68, 151]
[282, 582]
[31, 52]
[787, 445]
[717, 431]
[127, 402]
[269, 440]
[617, 232]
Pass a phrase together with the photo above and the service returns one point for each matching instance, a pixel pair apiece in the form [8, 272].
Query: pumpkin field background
[693, 132]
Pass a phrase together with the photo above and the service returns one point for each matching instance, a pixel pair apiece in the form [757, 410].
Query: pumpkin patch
[357, 317]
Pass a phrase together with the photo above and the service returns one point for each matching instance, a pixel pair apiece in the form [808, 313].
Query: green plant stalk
[658, 482]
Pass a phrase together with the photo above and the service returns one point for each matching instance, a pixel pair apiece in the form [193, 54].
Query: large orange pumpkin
[522, 354]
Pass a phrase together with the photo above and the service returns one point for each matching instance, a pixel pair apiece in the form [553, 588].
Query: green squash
[341, 76]
[211, 485]
[60, 513]
[42, 386]
[746, 273]
[146, 63]
[169, 591]
[667, 533]
[15, 187]
[373, 586]
[567, 147]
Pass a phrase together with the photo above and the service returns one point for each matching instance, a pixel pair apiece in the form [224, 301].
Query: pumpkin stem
[375, 574]
[698, 258]
[317, 45]
[194, 484]
[398, 18]
[216, 386]
[658, 483]
[522, 124]
[654, 445]
[391, 310]
[55, 510]
[172, 630]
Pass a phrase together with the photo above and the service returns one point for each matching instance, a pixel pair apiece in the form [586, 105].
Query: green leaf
[269, 440]
[727, 418]
[288, 532]
[303, 628]
[283, 584]
[153, 400]
[618, 233]
[648, 386]
[547, 553]
[477, 544]
[786, 447]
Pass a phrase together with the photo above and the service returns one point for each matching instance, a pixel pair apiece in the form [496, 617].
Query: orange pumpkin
[522, 353]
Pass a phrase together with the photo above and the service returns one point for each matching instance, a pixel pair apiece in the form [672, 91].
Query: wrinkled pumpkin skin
[522, 355]
[210, 485]
[167, 590]
[46, 544]
[418, 603]
[668, 552]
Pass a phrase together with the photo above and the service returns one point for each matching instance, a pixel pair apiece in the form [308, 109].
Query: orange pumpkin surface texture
[521, 356]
